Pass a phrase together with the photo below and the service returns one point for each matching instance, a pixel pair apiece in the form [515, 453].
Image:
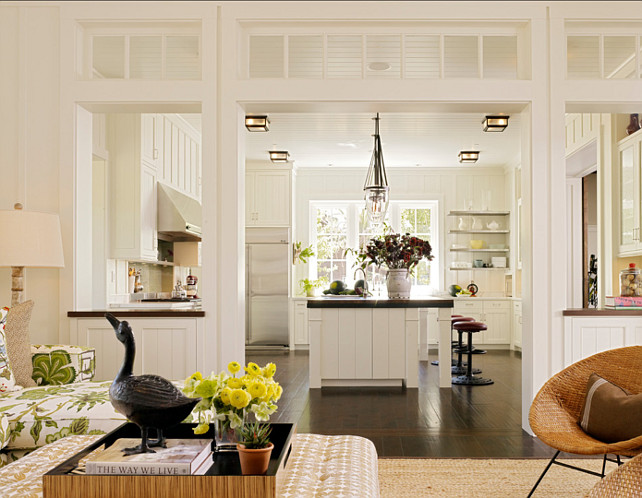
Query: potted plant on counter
[254, 448]
[400, 254]
[308, 286]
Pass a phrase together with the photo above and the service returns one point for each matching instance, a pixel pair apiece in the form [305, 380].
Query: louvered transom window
[305, 56]
[500, 57]
[422, 56]
[128, 50]
[345, 56]
[266, 56]
[461, 57]
[382, 56]
[603, 56]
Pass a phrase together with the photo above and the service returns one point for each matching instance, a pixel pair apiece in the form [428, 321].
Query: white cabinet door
[629, 197]
[148, 209]
[251, 217]
[301, 323]
[497, 318]
[272, 197]
[517, 324]
[151, 139]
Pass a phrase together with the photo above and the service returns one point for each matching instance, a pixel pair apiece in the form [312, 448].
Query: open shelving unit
[499, 234]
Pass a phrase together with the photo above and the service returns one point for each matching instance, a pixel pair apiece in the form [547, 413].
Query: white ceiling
[408, 139]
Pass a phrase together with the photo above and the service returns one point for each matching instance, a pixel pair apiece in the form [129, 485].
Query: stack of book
[181, 457]
[623, 303]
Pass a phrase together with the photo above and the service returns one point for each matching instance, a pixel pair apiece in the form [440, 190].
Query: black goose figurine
[146, 400]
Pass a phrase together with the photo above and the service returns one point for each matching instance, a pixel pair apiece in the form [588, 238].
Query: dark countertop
[370, 302]
[132, 313]
[601, 312]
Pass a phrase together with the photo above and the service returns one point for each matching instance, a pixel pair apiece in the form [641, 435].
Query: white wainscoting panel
[586, 336]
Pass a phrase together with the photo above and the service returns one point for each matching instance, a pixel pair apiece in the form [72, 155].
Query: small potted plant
[254, 448]
[301, 254]
[308, 285]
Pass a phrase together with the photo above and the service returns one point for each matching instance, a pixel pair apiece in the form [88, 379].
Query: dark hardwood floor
[465, 421]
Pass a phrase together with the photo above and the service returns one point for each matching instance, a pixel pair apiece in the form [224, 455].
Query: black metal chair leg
[604, 465]
[543, 474]
[619, 462]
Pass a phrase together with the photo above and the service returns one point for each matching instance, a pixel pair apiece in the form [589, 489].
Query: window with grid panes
[340, 225]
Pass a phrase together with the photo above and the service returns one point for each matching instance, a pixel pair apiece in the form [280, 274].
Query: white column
[412, 339]
[444, 318]
[314, 333]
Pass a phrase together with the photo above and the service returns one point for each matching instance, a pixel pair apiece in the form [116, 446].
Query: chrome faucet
[365, 281]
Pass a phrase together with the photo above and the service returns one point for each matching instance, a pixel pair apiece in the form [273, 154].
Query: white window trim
[353, 208]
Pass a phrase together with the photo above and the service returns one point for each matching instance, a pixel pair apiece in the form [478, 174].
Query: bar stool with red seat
[457, 366]
[468, 379]
[460, 368]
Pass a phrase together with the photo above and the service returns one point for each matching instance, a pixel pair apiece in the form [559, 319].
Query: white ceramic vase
[398, 283]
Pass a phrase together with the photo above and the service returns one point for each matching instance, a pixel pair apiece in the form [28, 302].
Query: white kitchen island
[372, 342]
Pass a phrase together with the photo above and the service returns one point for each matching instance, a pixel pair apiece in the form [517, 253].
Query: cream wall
[29, 143]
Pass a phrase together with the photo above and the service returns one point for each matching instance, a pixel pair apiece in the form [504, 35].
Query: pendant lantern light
[376, 185]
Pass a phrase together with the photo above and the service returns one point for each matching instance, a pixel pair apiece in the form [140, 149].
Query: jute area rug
[406, 477]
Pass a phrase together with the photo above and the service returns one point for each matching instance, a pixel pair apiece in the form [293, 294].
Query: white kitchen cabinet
[300, 318]
[132, 202]
[152, 139]
[628, 187]
[268, 197]
[181, 165]
[496, 314]
[164, 346]
[517, 324]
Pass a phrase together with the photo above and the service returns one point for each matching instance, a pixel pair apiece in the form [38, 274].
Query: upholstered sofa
[65, 402]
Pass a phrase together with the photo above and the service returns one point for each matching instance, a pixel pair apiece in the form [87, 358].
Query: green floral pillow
[61, 364]
[5, 432]
[7, 380]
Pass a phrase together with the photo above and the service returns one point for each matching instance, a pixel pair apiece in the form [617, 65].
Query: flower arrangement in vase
[400, 254]
[228, 398]
[254, 448]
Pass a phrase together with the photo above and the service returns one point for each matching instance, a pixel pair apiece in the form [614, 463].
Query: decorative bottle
[634, 125]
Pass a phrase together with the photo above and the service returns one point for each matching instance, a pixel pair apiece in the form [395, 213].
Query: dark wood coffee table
[223, 479]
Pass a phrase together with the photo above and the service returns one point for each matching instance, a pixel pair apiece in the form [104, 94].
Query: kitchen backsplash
[155, 278]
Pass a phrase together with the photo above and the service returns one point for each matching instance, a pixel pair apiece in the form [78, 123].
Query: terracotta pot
[254, 462]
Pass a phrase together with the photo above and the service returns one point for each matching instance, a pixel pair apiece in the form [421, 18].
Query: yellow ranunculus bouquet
[226, 397]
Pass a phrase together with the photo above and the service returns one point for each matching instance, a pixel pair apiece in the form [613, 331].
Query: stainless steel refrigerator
[267, 267]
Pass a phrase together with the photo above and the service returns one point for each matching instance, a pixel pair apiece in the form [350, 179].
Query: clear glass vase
[224, 436]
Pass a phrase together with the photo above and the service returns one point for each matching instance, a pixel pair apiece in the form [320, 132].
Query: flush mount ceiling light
[376, 186]
[468, 156]
[257, 123]
[279, 156]
[495, 123]
[379, 66]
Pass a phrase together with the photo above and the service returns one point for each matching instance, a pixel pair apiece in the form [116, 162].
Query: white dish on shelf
[461, 264]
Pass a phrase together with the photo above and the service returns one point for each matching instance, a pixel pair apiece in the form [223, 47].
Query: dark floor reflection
[466, 421]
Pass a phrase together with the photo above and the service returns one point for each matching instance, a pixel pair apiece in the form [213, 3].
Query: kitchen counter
[141, 313]
[600, 312]
[370, 302]
[371, 341]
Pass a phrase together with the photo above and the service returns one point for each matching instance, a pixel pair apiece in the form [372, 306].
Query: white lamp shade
[30, 239]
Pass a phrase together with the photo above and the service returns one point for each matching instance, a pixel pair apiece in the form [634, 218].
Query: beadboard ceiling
[409, 139]
[428, 139]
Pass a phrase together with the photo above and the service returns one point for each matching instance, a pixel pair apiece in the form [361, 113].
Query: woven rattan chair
[556, 409]
[625, 481]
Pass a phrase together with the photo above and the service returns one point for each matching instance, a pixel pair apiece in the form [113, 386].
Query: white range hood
[179, 216]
